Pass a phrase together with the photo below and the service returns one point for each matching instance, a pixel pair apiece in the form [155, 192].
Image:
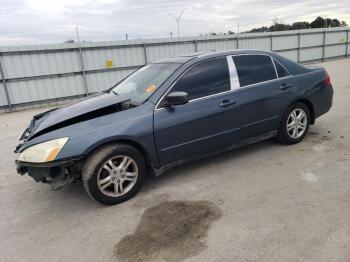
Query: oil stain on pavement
[170, 231]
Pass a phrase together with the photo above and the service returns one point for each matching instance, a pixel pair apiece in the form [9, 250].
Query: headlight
[43, 152]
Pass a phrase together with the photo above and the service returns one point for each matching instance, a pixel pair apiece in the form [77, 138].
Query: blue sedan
[169, 112]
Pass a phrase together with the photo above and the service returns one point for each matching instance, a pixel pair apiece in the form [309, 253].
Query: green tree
[343, 24]
[319, 22]
[300, 25]
[259, 30]
[279, 27]
[335, 23]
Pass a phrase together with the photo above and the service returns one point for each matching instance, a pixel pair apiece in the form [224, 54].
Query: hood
[93, 107]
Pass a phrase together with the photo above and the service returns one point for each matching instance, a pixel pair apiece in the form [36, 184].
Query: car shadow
[75, 196]
[195, 168]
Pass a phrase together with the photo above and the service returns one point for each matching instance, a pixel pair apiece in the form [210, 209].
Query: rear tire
[114, 173]
[295, 124]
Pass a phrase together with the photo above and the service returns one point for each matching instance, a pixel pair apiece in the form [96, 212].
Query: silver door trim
[275, 61]
[234, 80]
[274, 66]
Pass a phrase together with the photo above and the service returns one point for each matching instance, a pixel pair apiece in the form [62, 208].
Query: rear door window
[253, 69]
[205, 79]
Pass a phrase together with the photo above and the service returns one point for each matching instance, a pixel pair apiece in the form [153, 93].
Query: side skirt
[248, 141]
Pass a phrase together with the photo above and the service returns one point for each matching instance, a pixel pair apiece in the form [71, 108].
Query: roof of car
[182, 59]
[178, 59]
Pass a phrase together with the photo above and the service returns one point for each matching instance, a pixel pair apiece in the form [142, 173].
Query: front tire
[295, 124]
[114, 173]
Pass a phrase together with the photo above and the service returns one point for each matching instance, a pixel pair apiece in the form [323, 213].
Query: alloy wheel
[117, 176]
[296, 123]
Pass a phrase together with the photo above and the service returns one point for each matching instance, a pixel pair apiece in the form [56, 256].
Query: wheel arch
[130, 142]
[308, 104]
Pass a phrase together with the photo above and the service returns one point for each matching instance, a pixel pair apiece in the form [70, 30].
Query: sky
[26, 22]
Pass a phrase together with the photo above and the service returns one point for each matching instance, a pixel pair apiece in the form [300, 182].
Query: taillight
[327, 80]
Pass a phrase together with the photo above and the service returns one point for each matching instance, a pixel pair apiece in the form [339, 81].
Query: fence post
[347, 44]
[83, 70]
[237, 38]
[271, 42]
[195, 45]
[298, 58]
[145, 53]
[324, 45]
[5, 87]
[86, 89]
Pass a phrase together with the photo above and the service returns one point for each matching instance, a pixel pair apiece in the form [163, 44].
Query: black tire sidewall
[283, 132]
[92, 181]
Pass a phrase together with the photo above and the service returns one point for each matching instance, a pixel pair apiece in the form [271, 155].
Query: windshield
[141, 84]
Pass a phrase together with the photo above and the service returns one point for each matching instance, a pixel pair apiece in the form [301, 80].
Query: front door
[207, 122]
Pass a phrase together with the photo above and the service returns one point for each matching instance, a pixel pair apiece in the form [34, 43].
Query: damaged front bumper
[56, 173]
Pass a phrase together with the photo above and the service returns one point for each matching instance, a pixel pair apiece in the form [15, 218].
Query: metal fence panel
[291, 54]
[3, 101]
[219, 45]
[43, 89]
[284, 42]
[104, 80]
[348, 44]
[311, 54]
[315, 39]
[263, 43]
[336, 38]
[27, 65]
[118, 57]
[335, 51]
[44, 73]
[160, 51]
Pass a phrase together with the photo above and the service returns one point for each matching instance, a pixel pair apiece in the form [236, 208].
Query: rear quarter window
[253, 69]
[281, 70]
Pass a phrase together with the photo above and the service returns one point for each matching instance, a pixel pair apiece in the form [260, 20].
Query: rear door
[206, 122]
[265, 89]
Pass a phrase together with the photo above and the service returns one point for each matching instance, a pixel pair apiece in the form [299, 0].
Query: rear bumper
[324, 101]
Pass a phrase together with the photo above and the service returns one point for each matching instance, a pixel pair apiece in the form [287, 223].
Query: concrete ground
[264, 202]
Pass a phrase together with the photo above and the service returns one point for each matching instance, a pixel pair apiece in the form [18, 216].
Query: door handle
[226, 103]
[285, 86]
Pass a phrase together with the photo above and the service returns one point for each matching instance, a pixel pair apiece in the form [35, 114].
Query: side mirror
[176, 98]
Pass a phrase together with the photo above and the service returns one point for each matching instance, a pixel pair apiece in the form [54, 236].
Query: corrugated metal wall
[43, 74]
[2, 95]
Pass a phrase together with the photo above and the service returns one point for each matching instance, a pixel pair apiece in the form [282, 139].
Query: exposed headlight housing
[43, 152]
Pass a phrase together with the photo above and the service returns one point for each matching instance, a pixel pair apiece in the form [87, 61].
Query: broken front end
[43, 152]
[38, 161]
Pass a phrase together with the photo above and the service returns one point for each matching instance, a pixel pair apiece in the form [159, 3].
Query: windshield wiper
[129, 104]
